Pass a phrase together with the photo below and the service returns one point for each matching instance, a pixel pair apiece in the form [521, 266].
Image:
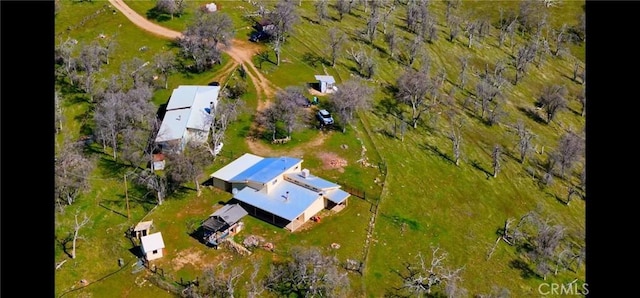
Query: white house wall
[157, 255]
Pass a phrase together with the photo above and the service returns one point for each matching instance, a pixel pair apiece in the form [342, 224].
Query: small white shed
[152, 246]
[327, 83]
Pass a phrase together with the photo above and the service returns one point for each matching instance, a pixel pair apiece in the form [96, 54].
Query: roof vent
[305, 173]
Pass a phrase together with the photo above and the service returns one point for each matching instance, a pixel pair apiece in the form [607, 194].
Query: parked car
[324, 117]
[258, 36]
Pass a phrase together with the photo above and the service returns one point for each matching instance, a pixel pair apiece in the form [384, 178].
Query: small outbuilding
[326, 83]
[152, 246]
[158, 162]
[223, 223]
[142, 229]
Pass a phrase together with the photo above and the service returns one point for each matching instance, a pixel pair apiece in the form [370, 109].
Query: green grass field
[458, 208]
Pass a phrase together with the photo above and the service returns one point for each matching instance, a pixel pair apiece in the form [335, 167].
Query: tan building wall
[316, 207]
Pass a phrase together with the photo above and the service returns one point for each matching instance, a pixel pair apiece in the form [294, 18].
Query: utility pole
[126, 194]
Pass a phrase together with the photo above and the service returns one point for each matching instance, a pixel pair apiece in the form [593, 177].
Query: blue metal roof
[266, 169]
[275, 202]
[313, 181]
[236, 167]
[336, 195]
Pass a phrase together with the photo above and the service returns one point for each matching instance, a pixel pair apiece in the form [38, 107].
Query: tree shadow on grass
[157, 15]
[387, 107]
[103, 205]
[313, 59]
[112, 168]
[532, 115]
[477, 166]
[525, 271]
[63, 242]
[437, 151]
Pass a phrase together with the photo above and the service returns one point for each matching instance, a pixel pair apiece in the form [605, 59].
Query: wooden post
[126, 194]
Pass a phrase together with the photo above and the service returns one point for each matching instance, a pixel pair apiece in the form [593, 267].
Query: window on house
[155, 251]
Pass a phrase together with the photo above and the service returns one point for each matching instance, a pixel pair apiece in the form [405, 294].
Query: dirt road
[240, 51]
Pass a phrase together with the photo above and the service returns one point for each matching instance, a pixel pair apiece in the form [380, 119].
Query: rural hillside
[320, 148]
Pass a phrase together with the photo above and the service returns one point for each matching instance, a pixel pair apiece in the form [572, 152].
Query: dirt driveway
[240, 51]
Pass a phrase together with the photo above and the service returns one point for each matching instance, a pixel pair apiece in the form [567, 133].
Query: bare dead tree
[353, 95]
[523, 58]
[423, 278]
[392, 40]
[284, 16]
[417, 15]
[322, 10]
[172, 7]
[165, 64]
[385, 17]
[508, 25]
[372, 22]
[414, 49]
[504, 235]
[59, 114]
[471, 28]
[553, 100]
[287, 103]
[204, 38]
[76, 232]
[456, 138]
[530, 13]
[343, 7]
[546, 242]
[413, 87]
[365, 62]
[150, 180]
[488, 89]
[255, 288]
[495, 155]
[187, 165]
[451, 6]
[525, 137]
[66, 60]
[308, 273]
[570, 149]
[219, 281]
[453, 22]
[464, 64]
[336, 40]
[71, 174]
[136, 73]
[268, 120]
[226, 111]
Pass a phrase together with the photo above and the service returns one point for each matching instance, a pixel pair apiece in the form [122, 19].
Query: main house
[188, 116]
[278, 189]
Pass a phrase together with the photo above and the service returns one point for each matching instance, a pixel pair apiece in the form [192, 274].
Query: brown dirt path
[241, 51]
